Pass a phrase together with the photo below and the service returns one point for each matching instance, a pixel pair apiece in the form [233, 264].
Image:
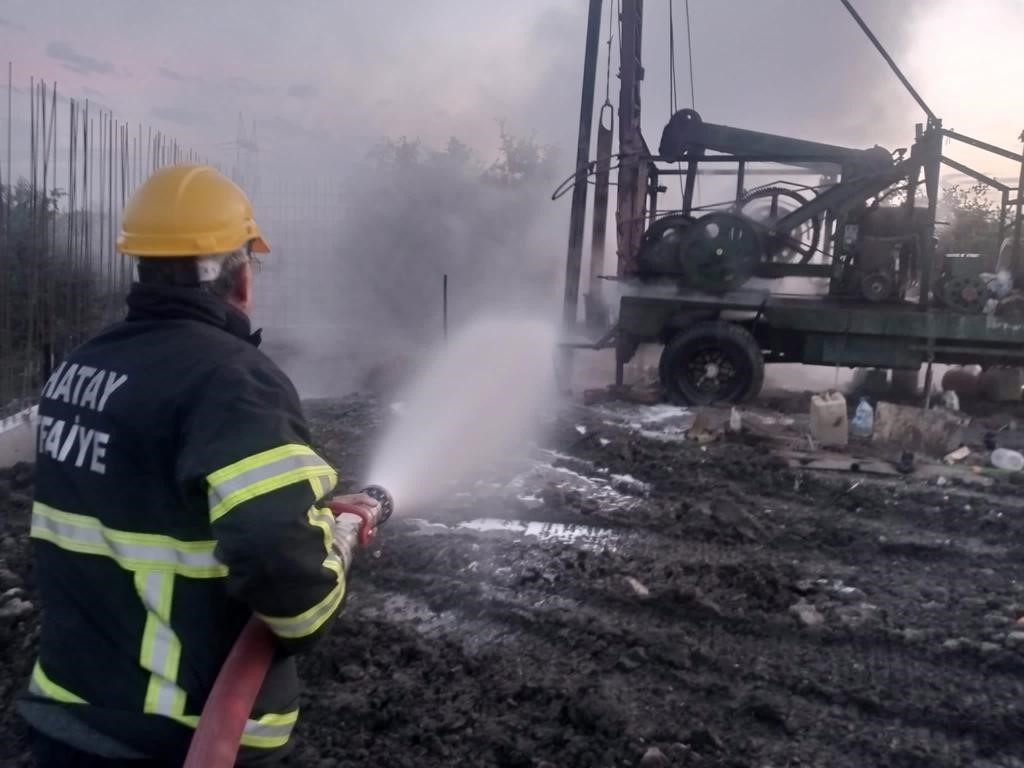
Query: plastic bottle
[951, 400]
[863, 423]
[1003, 458]
[735, 421]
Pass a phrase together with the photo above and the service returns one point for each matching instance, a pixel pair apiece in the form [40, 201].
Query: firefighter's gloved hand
[359, 500]
[347, 527]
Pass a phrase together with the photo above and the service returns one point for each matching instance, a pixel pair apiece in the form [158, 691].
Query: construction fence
[66, 171]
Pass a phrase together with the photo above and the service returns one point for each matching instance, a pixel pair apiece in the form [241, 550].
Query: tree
[51, 295]
[423, 212]
[971, 221]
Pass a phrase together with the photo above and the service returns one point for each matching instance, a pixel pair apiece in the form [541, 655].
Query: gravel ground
[625, 597]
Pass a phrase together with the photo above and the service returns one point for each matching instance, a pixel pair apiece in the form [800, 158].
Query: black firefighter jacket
[176, 496]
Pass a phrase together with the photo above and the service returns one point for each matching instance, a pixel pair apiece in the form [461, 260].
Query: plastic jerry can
[829, 423]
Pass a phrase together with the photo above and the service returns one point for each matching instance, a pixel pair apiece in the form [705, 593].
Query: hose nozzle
[370, 520]
[385, 499]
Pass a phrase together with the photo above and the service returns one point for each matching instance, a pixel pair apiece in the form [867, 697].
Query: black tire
[728, 348]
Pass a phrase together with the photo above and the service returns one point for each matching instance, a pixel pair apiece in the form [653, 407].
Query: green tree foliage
[970, 219]
[422, 212]
[49, 298]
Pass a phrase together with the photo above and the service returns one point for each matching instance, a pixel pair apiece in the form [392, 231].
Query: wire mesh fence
[65, 174]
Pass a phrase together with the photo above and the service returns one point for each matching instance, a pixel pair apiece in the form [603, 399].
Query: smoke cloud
[304, 107]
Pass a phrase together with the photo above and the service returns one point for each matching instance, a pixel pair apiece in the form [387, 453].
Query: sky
[319, 82]
[322, 79]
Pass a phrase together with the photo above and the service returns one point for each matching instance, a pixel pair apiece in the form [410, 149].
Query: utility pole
[632, 178]
[578, 212]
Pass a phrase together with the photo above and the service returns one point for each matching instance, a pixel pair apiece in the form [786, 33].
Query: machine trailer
[857, 224]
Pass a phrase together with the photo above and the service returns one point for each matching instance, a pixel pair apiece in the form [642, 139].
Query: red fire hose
[219, 733]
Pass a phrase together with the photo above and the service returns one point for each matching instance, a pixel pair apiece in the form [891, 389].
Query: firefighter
[177, 495]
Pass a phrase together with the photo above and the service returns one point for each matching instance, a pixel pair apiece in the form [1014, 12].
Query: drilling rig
[702, 281]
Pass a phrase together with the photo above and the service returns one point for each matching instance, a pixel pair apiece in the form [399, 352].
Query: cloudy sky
[322, 78]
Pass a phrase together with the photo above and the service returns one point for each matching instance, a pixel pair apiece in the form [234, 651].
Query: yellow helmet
[188, 210]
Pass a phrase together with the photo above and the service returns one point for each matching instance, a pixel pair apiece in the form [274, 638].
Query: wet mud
[630, 598]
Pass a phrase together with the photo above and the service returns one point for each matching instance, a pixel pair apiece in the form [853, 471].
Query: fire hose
[218, 735]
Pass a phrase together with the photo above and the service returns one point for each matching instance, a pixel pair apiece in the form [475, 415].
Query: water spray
[218, 735]
[476, 402]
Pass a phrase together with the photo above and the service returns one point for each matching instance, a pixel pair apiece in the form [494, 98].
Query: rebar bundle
[68, 171]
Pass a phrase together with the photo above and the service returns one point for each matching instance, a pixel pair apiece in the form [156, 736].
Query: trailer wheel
[712, 362]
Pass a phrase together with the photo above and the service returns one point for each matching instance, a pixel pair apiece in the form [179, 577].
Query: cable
[689, 54]
[608, 71]
[689, 51]
[673, 89]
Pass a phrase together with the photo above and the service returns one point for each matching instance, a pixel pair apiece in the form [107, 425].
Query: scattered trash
[940, 480]
[654, 758]
[959, 454]
[935, 432]
[1003, 458]
[638, 587]
[837, 463]
[807, 614]
[735, 420]
[863, 423]
[906, 463]
[950, 400]
[703, 430]
[581, 429]
[829, 426]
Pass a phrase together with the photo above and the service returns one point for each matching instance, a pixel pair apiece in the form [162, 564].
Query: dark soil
[739, 613]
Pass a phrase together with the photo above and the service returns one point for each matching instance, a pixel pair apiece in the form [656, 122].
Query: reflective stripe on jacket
[176, 496]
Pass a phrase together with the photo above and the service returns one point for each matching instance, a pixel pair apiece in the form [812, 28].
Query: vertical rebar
[1018, 220]
[113, 286]
[72, 266]
[67, 273]
[6, 265]
[444, 306]
[32, 263]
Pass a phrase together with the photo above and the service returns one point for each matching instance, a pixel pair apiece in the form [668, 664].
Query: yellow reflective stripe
[324, 520]
[321, 486]
[132, 551]
[160, 653]
[41, 685]
[309, 621]
[263, 473]
[267, 732]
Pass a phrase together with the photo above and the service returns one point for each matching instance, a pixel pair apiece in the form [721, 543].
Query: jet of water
[477, 401]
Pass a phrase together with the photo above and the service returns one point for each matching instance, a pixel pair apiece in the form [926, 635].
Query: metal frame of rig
[687, 277]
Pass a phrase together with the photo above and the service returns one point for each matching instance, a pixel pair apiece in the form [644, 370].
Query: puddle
[654, 421]
[584, 536]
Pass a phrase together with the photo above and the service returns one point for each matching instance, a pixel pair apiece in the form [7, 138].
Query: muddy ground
[626, 592]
